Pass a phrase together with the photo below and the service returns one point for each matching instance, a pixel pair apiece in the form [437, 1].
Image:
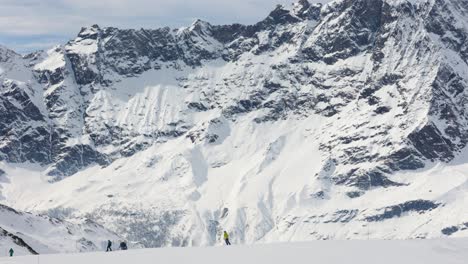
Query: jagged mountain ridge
[377, 86]
[98, 56]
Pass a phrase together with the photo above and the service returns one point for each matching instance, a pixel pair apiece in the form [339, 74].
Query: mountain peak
[302, 4]
[305, 10]
[89, 32]
[280, 15]
[6, 53]
[200, 25]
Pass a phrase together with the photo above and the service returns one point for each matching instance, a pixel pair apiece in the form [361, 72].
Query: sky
[29, 25]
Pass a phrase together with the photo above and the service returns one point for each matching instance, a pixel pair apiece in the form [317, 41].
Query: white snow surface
[450, 251]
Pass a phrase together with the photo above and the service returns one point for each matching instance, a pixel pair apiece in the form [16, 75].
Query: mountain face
[319, 122]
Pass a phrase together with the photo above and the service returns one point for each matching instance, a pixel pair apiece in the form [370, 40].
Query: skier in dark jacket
[109, 246]
[123, 245]
[11, 252]
[226, 238]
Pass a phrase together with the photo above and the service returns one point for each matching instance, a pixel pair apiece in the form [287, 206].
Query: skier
[109, 246]
[226, 238]
[123, 245]
[11, 252]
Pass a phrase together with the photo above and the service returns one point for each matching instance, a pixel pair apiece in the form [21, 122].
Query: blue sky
[28, 25]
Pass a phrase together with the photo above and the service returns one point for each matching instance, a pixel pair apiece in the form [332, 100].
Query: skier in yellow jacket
[226, 238]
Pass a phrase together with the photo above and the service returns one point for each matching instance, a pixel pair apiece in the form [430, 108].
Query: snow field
[449, 251]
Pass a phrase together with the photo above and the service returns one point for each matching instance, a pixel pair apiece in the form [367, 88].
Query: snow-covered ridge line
[17, 241]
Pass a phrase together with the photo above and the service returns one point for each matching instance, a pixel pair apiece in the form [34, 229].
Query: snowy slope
[319, 122]
[30, 234]
[330, 252]
[165, 204]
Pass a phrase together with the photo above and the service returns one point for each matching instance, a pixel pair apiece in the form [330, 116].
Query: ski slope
[448, 251]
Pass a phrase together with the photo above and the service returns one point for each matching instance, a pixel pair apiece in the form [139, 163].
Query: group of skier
[123, 245]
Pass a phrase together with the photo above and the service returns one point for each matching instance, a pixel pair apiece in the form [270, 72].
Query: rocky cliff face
[376, 87]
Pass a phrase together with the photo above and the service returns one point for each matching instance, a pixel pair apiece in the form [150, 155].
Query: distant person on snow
[11, 252]
[226, 238]
[123, 245]
[109, 246]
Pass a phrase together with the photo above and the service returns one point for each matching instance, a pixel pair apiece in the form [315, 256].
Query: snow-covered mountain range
[339, 121]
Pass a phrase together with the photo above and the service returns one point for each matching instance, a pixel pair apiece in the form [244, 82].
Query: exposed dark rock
[448, 231]
[404, 159]
[74, 159]
[366, 179]
[354, 194]
[418, 206]
[197, 106]
[18, 111]
[342, 216]
[382, 110]
[225, 212]
[431, 143]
